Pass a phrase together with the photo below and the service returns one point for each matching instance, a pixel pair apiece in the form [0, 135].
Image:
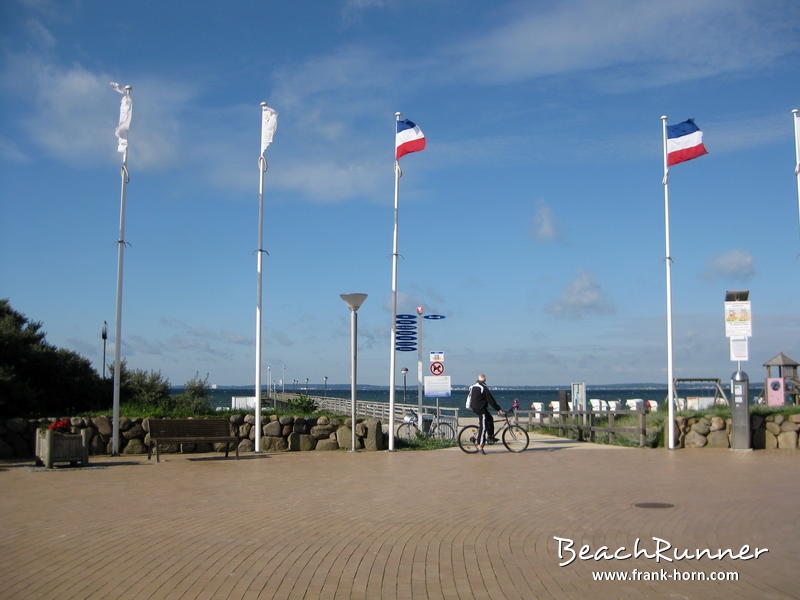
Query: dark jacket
[480, 397]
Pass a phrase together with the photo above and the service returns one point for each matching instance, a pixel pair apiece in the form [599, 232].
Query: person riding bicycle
[480, 398]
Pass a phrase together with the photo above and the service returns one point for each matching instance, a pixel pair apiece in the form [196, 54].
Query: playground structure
[785, 388]
[685, 404]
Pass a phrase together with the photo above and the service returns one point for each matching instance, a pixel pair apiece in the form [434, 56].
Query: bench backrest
[188, 428]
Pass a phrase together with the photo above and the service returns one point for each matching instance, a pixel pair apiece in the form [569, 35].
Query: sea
[221, 396]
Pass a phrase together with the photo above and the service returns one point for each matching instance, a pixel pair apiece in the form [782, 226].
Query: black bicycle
[514, 437]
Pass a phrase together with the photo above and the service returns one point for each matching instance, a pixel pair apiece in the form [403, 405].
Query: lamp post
[325, 381]
[269, 382]
[354, 302]
[404, 371]
[306, 386]
[104, 335]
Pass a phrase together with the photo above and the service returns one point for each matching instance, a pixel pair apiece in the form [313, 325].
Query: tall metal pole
[353, 301]
[262, 169]
[118, 328]
[283, 381]
[796, 118]
[354, 361]
[392, 337]
[420, 350]
[668, 261]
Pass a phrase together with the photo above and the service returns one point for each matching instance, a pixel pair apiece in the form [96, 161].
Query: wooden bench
[183, 431]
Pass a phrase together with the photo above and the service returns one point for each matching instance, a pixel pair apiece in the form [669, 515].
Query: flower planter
[53, 447]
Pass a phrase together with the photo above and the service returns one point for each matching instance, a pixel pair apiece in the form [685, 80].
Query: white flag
[269, 123]
[125, 113]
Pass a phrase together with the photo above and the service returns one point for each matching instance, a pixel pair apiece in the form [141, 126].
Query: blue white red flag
[409, 138]
[684, 142]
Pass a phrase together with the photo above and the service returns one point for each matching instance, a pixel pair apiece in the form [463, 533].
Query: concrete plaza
[435, 524]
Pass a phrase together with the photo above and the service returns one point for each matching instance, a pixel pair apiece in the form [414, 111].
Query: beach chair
[635, 404]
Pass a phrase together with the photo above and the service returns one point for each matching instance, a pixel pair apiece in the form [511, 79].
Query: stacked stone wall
[279, 434]
[768, 432]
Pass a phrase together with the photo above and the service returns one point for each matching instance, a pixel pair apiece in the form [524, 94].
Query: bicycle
[514, 437]
[409, 429]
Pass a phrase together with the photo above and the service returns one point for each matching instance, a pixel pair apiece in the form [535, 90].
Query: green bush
[303, 403]
[195, 399]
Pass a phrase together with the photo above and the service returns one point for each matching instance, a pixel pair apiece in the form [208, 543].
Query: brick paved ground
[403, 525]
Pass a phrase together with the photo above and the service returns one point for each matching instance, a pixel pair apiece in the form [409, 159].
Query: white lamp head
[354, 301]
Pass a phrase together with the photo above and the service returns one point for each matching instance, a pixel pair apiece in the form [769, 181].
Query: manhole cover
[654, 505]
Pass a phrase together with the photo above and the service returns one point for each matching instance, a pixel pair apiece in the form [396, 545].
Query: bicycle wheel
[515, 438]
[407, 431]
[467, 438]
[444, 431]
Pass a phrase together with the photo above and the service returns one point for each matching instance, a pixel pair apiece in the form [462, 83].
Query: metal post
[354, 301]
[118, 329]
[393, 334]
[262, 169]
[104, 335]
[353, 390]
[668, 261]
[269, 383]
[420, 346]
[796, 119]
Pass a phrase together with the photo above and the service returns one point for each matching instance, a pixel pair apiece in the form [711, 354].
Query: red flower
[62, 426]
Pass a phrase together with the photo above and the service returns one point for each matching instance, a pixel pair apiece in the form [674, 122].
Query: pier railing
[378, 410]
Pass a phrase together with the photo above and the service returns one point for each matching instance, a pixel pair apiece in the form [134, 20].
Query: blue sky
[534, 219]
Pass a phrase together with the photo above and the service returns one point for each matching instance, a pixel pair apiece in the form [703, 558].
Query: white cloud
[545, 228]
[655, 43]
[734, 264]
[72, 113]
[583, 296]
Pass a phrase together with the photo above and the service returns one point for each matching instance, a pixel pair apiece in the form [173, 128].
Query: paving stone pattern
[438, 524]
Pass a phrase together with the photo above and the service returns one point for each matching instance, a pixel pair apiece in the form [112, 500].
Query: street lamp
[404, 371]
[325, 380]
[104, 335]
[354, 302]
[306, 386]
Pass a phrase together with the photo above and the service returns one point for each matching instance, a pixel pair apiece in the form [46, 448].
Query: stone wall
[278, 434]
[768, 432]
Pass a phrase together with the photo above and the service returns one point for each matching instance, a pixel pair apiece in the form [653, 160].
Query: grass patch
[423, 443]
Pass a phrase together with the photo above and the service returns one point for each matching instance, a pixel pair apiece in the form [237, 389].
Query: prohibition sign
[437, 368]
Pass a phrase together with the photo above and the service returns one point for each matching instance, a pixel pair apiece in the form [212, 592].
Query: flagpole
[796, 118]
[118, 326]
[392, 337]
[262, 169]
[668, 261]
